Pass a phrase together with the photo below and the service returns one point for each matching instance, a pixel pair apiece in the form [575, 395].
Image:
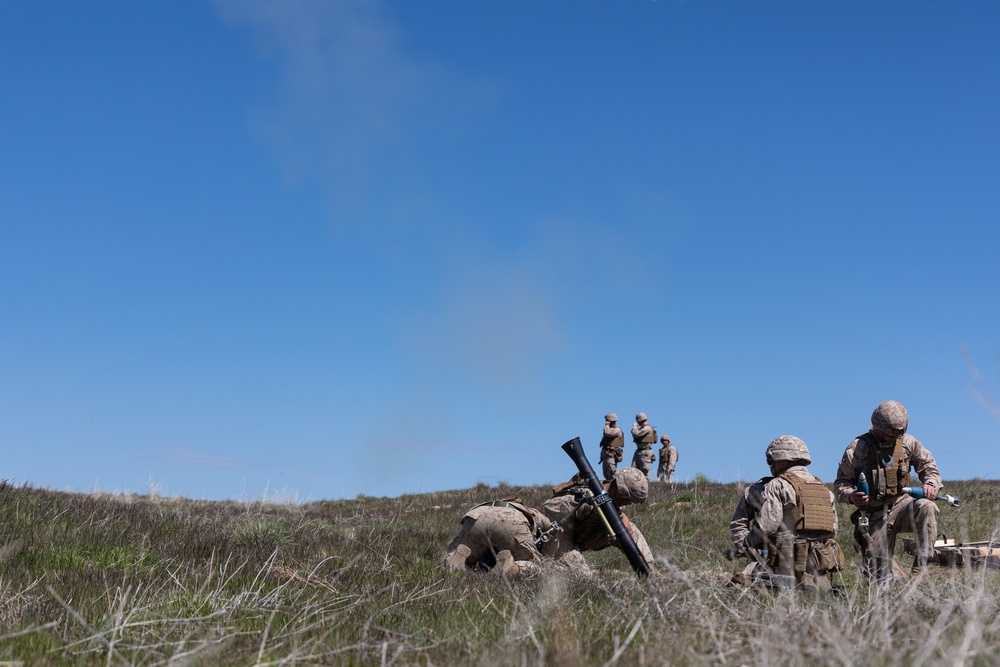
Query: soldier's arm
[833, 501]
[739, 525]
[925, 465]
[640, 541]
[777, 494]
[847, 473]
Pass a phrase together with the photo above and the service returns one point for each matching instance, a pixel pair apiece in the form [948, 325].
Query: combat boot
[506, 566]
[458, 559]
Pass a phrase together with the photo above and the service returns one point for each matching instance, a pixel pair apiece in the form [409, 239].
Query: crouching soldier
[787, 523]
[886, 453]
[498, 537]
[584, 527]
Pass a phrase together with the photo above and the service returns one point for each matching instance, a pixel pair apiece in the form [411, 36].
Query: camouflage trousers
[643, 459]
[485, 532]
[609, 461]
[878, 544]
[791, 562]
[665, 473]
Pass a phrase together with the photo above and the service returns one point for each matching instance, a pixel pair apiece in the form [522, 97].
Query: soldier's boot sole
[505, 567]
[457, 560]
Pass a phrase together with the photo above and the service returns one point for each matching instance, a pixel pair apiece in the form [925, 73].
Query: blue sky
[322, 249]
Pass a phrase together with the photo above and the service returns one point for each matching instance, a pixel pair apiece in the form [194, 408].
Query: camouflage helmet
[890, 417]
[631, 486]
[641, 417]
[787, 448]
[665, 439]
[611, 417]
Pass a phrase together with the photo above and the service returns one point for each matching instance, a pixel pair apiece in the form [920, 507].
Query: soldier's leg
[879, 547]
[520, 539]
[641, 544]
[642, 460]
[505, 566]
[503, 529]
[458, 555]
[608, 466]
[919, 516]
[485, 532]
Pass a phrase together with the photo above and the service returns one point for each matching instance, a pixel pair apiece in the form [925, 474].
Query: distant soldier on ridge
[612, 446]
[668, 461]
[643, 435]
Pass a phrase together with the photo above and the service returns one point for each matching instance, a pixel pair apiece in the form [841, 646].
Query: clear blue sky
[331, 248]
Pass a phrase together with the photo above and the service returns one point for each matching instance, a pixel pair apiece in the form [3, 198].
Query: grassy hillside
[109, 579]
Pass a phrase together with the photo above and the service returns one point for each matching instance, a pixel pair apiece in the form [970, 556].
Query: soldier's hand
[930, 492]
[859, 498]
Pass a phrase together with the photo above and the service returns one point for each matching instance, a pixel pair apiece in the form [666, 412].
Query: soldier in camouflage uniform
[643, 435]
[581, 522]
[668, 461]
[497, 537]
[612, 444]
[505, 537]
[886, 453]
[788, 521]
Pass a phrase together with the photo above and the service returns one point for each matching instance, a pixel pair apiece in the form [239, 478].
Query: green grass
[112, 579]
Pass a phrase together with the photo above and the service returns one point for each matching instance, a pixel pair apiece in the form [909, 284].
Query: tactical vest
[613, 441]
[886, 477]
[813, 513]
[647, 439]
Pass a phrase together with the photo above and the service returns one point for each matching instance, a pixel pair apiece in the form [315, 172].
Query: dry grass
[109, 579]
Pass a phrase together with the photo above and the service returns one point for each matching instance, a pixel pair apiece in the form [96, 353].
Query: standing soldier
[643, 435]
[791, 517]
[668, 461]
[885, 455]
[612, 445]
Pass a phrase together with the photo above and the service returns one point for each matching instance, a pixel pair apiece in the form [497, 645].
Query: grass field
[128, 579]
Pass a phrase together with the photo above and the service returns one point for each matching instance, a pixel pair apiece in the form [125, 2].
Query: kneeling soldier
[791, 516]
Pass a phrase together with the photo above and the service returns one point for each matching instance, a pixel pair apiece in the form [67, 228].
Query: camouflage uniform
[582, 525]
[796, 531]
[886, 454]
[611, 446]
[668, 461]
[643, 435]
[505, 527]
